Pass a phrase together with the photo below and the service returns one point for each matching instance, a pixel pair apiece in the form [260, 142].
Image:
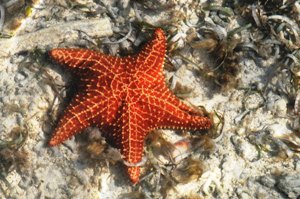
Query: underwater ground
[239, 61]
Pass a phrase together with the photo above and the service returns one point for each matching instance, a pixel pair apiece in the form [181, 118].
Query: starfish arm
[83, 61]
[83, 111]
[167, 112]
[150, 60]
[128, 136]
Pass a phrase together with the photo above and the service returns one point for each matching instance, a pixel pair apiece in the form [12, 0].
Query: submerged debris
[30, 41]
[12, 157]
[19, 135]
[189, 170]
[13, 12]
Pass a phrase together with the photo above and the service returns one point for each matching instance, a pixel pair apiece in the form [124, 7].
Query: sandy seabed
[238, 59]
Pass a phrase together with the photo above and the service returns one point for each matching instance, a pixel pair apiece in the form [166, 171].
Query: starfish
[126, 97]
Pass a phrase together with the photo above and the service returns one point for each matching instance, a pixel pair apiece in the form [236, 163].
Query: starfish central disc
[126, 97]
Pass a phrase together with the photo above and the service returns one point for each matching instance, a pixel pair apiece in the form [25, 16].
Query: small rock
[297, 165]
[277, 106]
[194, 18]
[124, 4]
[280, 106]
[242, 194]
[290, 185]
[82, 177]
[19, 77]
[244, 149]
[15, 59]
[241, 131]
[253, 101]
[261, 193]
[267, 181]
[296, 8]
[295, 124]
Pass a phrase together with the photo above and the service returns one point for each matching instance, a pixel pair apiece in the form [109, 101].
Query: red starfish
[125, 97]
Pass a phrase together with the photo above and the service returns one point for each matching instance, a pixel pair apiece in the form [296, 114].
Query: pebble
[241, 131]
[124, 4]
[290, 185]
[19, 77]
[253, 101]
[280, 106]
[261, 193]
[242, 194]
[82, 177]
[297, 164]
[277, 106]
[295, 124]
[296, 9]
[267, 181]
[243, 148]
[16, 59]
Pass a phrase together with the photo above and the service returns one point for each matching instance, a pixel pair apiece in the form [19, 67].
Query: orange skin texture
[126, 97]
